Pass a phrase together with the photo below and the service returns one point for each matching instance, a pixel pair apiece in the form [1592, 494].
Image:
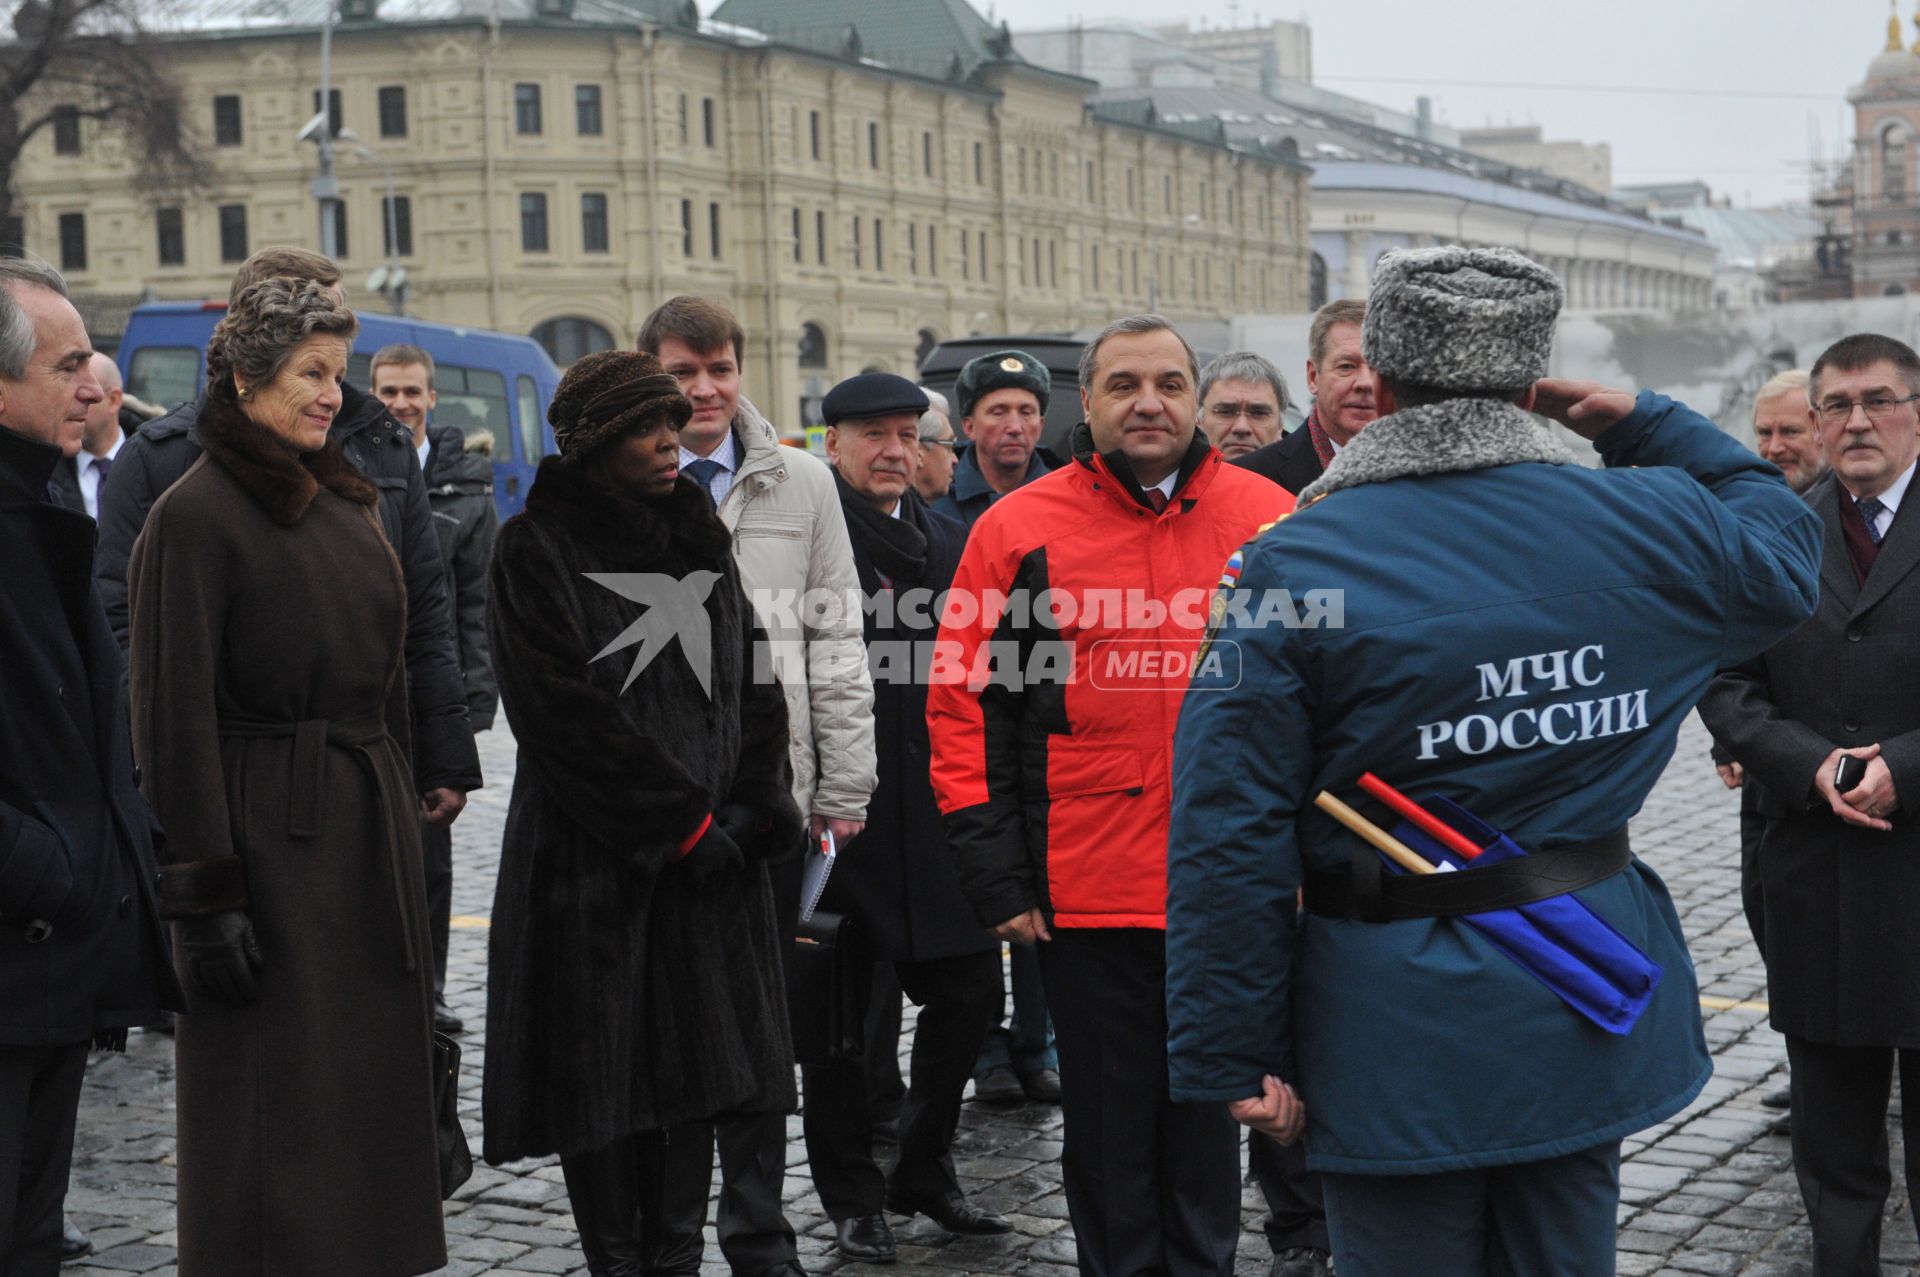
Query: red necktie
[1156, 500]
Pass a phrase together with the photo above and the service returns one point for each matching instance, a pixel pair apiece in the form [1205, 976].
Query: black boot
[674, 1205]
[604, 1188]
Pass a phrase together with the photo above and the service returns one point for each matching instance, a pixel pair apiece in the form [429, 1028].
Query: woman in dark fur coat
[635, 979]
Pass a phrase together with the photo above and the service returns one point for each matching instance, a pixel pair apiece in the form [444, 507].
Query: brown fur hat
[609, 394]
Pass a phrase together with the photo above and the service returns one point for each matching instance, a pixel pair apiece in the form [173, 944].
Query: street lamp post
[326, 187]
[393, 282]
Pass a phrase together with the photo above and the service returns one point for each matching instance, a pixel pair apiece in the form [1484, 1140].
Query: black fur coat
[623, 998]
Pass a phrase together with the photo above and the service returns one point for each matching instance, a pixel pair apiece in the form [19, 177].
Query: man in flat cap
[899, 880]
[1539, 633]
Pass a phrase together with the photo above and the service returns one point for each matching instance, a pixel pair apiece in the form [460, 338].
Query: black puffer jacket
[155, 458]
[460, 491]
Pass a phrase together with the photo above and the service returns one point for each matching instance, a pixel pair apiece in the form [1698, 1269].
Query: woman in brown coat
[268, 619]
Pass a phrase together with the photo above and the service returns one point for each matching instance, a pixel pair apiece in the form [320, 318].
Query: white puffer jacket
[796, 563]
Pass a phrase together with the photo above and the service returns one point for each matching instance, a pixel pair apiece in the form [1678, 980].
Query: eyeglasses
[1880, 409]
[1256, 412]
[953, 444]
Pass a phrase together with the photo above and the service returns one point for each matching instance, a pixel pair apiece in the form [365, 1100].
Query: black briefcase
[829, 979]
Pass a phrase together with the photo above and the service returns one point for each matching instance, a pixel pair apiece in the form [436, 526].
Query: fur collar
[627, 530]
[283, 481]
[1440, 438]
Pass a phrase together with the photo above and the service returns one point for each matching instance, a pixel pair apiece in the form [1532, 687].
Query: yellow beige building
[559, 167]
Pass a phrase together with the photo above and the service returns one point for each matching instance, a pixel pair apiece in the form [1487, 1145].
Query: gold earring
[244, 392]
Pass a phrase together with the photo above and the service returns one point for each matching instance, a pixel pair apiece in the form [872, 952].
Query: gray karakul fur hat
[1466, 319]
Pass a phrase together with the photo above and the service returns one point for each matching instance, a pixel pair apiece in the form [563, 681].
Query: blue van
[488, 381]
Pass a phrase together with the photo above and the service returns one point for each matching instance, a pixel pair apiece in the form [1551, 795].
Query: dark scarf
[897, 548]
[283, 481]
[1121, 466]
[1322, 442]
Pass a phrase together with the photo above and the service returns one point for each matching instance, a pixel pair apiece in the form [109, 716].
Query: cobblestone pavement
[1711, 1191]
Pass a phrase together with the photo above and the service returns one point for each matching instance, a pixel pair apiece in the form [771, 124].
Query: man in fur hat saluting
[1520, 635]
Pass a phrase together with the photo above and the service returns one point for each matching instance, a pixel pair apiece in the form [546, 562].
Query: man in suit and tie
[80, 478]
[1343, 401]
[1840, 863]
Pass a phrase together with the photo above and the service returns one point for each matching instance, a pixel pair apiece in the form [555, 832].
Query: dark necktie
[101, 465]
[1870, 508]
[702, 472]
[1156, 500]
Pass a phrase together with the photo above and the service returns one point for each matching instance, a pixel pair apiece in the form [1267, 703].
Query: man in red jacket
[1067, 642]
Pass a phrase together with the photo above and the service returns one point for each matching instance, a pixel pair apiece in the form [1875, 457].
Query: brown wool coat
[268, 622]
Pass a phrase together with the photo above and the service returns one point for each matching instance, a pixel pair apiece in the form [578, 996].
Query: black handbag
[829, 980]
[456, 1159]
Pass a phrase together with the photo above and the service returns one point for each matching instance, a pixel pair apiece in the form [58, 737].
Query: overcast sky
[1764, 75]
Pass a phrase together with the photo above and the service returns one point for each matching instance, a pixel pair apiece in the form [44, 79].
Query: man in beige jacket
[796, 563]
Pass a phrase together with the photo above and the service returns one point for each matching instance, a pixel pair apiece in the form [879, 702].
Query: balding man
[79, 479]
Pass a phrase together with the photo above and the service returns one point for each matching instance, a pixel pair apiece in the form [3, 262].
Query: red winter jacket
[1052, 726]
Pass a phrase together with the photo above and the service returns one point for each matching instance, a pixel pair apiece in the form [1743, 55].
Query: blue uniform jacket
[1523, 638]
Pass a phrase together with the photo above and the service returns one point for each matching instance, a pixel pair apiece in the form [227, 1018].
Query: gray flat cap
[1466, 319]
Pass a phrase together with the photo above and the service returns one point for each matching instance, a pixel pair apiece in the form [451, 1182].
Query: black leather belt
[1368, 892]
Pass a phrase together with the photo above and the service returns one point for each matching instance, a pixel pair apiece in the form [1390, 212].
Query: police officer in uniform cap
[1523, 636]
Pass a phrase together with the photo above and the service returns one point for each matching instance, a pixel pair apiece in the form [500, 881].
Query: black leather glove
[713, 855]
[221, 956]
[742, 823]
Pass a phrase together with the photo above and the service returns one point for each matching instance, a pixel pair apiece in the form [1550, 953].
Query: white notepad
[813, 881]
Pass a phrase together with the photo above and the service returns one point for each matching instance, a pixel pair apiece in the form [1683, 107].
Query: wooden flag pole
[1404, 856]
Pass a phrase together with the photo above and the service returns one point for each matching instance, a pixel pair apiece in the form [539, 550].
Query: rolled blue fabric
[1559, 941]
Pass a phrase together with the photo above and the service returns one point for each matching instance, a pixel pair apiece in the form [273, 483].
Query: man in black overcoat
[1840, 866]
[898, 880]
[83, 957]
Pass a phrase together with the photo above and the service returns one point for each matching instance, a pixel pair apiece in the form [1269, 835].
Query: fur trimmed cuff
[199, 888]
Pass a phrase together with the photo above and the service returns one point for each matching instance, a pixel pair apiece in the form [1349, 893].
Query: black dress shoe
[445, 1021]
[1780, 1099]
[952, 1211]
[1301, 1261]
[868, 1238]
[74, 1244]
[998, 1085]
[1042, 1085]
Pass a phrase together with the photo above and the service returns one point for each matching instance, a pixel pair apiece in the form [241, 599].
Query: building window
[913, 249]
[813, 133]
[66, 130]
[979, 164]
[13, 237]
[873, 144]
[879, 247]
[1022, 170]
[1036, 262]
[233, 232]
[594, 236]
[983, 255]
[683, 119]
[393, 110]
[813, 346]
[856, 243]
[73, 241]
[526, 109]
[926, 154]
[339, 208]
[336, 117]
[396, 225]
[820, 236]
[586, 110]
[1093, 273]
[171, 230]
[799, 248]
[707, 132]
[933, 253]
[924, 342]
[686, 228]
[1091, 197]
[713, 231]
[533, 222]
[568, 339]
[226, 119]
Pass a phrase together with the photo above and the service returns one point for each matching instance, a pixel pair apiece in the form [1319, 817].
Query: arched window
[924, 346]
[1316, 282]
[813, 346]
[1893, 165]
[570, 337]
